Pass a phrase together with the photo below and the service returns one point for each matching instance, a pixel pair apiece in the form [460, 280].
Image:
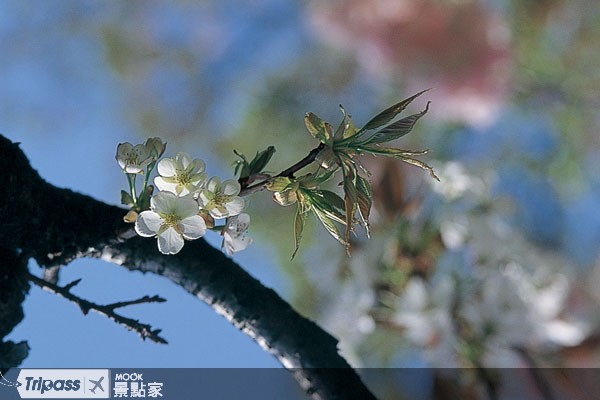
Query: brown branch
[289, 172]
[13, 289]
[57, 225]
[144, 330]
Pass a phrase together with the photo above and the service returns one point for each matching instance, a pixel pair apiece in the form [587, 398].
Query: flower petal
[213, 184]
[199, 166]
[148, 223]
[198, 178]
[219, 211]
[185, 207]
[193, 227]
[243, 221]
[163, 202]
[234, 244]
[141, 151]
[132, 168]
[170, 242]
[230, 187]
[167, 167]
[165, 184]
[123, 150]
[238, 224]
[183, 159]
[235, 205]
[204, 198]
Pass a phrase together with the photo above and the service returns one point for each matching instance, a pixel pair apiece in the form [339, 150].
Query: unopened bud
[285, 198]
[208, 219]
[130, 217]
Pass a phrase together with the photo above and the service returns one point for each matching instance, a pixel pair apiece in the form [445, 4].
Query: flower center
[183, 177]
[132, 158]
[220, 198]
[171, 219]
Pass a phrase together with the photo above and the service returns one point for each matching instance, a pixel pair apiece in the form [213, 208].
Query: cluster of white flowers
[187, 202]
[489, 295]
[512, 295]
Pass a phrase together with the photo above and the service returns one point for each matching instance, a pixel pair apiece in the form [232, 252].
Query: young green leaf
[299, 220]
[260, 161]
[346, 128]
[331, 198]
[389, 151]
[349, 170]
[388, 114]
[329, 204]
[342, 126]
[365, 201]
[420, 164]
[350, 207]
[126, 199]
[397, 129]
[330, 226]
[241, 166]
[318, 128]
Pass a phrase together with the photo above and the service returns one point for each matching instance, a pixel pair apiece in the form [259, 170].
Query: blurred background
[496, 266]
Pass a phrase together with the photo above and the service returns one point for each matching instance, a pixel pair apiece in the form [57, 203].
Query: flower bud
[130, 217]
[155, 147]
[285, 198]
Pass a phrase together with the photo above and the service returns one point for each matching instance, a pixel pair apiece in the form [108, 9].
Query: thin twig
[289, 172]
[144, 330]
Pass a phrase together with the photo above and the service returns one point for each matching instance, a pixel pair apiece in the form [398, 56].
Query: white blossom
[180, 175]
[221, 199]
[235, 236]
[133, 159]
[171, 219]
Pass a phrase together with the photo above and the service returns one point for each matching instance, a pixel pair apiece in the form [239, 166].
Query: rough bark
[55, 226]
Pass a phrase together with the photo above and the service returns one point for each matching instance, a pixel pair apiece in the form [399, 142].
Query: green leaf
[349, 170]
[331, 198]
[329, 204]
[401, 155]
[318, 128]
[397, 129]
[365, 201]
[143, 201]
[350, 207]
[342, 126]
[420, 164]
[299, 221]
[260, 161]
[242, 163]
[389, 151]
[126, 199]
[388, 114]
[330, 226]
[346, 128]
[350, 130]
[313, 180]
